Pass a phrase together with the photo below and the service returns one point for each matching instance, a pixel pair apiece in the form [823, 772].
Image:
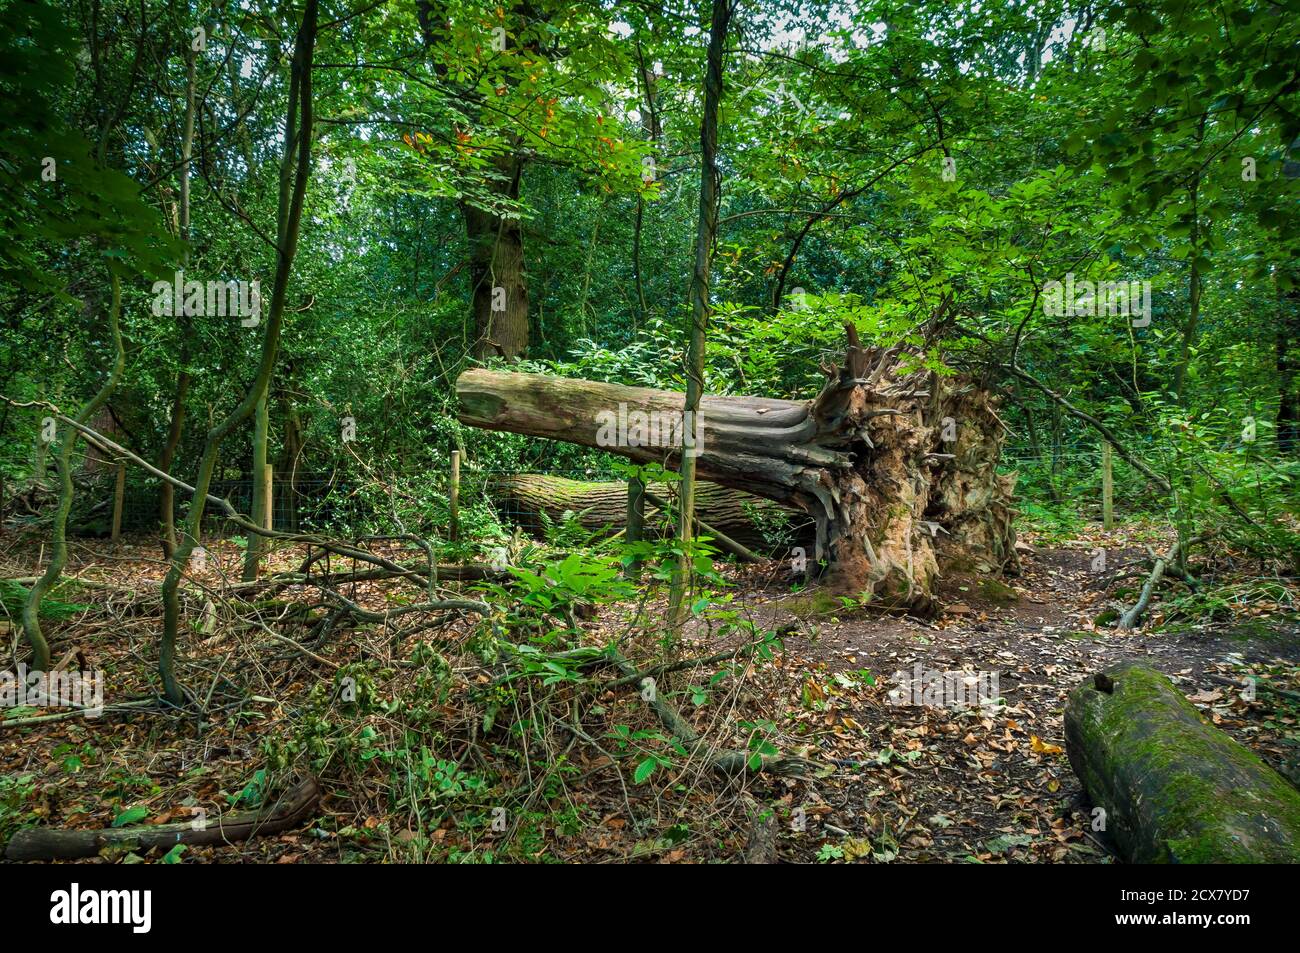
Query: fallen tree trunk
[895, 464]
[525, 497]
[44, 843]
[1160, 565]
[702, 528]
[1175, 789]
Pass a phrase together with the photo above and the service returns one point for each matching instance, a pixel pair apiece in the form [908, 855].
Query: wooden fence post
[635, 531]
[455, 496]
[268, 511]
[1107, 488]
[119, 496]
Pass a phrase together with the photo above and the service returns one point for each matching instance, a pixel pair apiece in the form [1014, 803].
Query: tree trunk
[498, 284]
[1174, 788]
[497, 281]
[1194, 282]
[650, 123]
[176, 425]
[59, 527]
[1287, 351]
[259, 502]
[881, 459]
[527, 496]
[969, 499]
[706, 231]
[291, 449]
[40, 458]
[1287, 348]
[295, 170]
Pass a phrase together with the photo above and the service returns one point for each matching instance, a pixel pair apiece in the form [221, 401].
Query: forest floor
[928, 784]
[903, 783]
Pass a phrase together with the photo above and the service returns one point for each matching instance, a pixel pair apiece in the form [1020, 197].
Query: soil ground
[993, 784]
[906, 783]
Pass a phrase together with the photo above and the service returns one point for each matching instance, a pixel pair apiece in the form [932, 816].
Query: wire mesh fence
[308, 501]
[568, 501]
[352, 500]
[320, 501]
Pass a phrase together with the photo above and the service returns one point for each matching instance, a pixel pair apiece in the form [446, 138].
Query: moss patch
[998, 592]
[815, 603]
[1175, 788]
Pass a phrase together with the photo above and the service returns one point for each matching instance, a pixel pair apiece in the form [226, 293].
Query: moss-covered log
[895, 463]
[749, 520]
[1174, 788]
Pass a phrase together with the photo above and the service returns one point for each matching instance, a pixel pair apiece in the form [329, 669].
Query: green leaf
[644, 770]
[132, 815]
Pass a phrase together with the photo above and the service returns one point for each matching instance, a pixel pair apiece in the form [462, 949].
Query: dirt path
[923, 783]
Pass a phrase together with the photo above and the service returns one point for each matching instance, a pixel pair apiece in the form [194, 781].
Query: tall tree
[295, 171]
[706, 231]
[176, 420]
